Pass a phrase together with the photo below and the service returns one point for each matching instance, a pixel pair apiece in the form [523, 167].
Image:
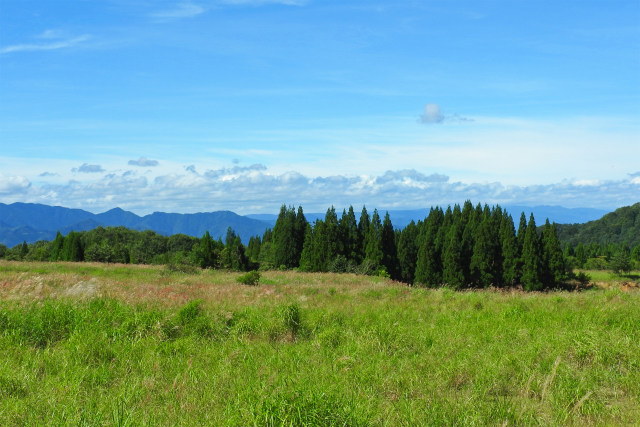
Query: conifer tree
[349, 236]
[509, 244]
[331, 238]
[408, 252]
[452, 272]
[363, 229]
[56, 247]
[389, 248]
[532, 258]
[373, 241]
[554, 270]
[428, 266]
[284, 241]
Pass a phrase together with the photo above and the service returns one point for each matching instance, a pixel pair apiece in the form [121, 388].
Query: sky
[245, 105]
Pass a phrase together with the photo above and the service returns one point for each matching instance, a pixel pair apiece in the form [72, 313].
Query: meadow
[106, 344]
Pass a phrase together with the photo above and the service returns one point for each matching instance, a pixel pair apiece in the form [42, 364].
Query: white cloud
[432, 114]
[143, 161]
[13, 184]
[53, 45]
[87, 168]
[255, 188]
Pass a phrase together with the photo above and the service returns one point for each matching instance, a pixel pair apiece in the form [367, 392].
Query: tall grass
[316, 350]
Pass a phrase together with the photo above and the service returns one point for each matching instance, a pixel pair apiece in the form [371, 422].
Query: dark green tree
[452, 271]
[553, 270]
[56, 247]
[428, 265]
[510, 255]
[532, 262]
[373, 241]
[389, 248]
[408, 252]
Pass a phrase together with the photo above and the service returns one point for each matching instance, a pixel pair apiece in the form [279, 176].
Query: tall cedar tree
[363, 229]
[532, 262]
[373, 242]
[56, 247]
[332, 240]
[452, 272]
[389, 248]
[428, 270]
[554, 271]
[408, 252]
[485, 270]
[509, 243]
[283, 246]
[349, 235]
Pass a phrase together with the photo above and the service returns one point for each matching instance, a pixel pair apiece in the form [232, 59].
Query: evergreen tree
[389, 248]
[253, 249]
[452, 272]
[363, 229]
[306, 258]
[428, 266]
[408, 252]
[56, 247]
[285, 246]
[331, 238]
[509, 243]
[349, 236]
[204, 253]
[373, 241]
[532, 267]
[24, 250]
[554, 270]
[72, 248]
[300, 230]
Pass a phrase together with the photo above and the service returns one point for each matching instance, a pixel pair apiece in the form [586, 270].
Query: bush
[252, 278]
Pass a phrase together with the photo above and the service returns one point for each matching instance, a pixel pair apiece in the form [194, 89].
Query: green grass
[308, 349]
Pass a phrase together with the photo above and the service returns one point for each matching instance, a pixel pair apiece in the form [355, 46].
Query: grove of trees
[460, 247]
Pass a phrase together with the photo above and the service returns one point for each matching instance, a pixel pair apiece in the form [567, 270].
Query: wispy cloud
[52, 45]
[86, 168]
[180, 11]
[434, 115]
[144, 162]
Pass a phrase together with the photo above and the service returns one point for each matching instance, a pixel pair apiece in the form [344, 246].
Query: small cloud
[182, 10]
[235, 161]
[46, 174]
[144, 162]
[13, 184]
[635, 174]
[86, 168]
[432, 114]
[191, 168]
[60, 44]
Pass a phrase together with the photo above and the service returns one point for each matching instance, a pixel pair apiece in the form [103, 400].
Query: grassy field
[91, 344]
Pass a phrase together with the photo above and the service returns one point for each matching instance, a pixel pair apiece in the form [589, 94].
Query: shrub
[252, 278]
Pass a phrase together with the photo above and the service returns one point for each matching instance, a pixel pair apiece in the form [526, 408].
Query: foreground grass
[125, 345]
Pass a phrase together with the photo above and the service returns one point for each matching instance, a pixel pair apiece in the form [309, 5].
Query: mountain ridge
[31, 222]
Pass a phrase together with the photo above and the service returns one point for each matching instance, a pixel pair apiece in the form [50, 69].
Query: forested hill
[31, 222]
[620, 227]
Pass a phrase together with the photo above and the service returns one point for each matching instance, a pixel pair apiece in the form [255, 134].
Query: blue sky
[189, 106]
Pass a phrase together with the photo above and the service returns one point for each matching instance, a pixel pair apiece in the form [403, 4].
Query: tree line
[461, 247]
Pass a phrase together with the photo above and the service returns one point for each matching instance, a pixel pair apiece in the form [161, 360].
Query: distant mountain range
[32, 222]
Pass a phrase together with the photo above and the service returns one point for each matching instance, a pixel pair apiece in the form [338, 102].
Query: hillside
[620, 226]
[32, 222]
